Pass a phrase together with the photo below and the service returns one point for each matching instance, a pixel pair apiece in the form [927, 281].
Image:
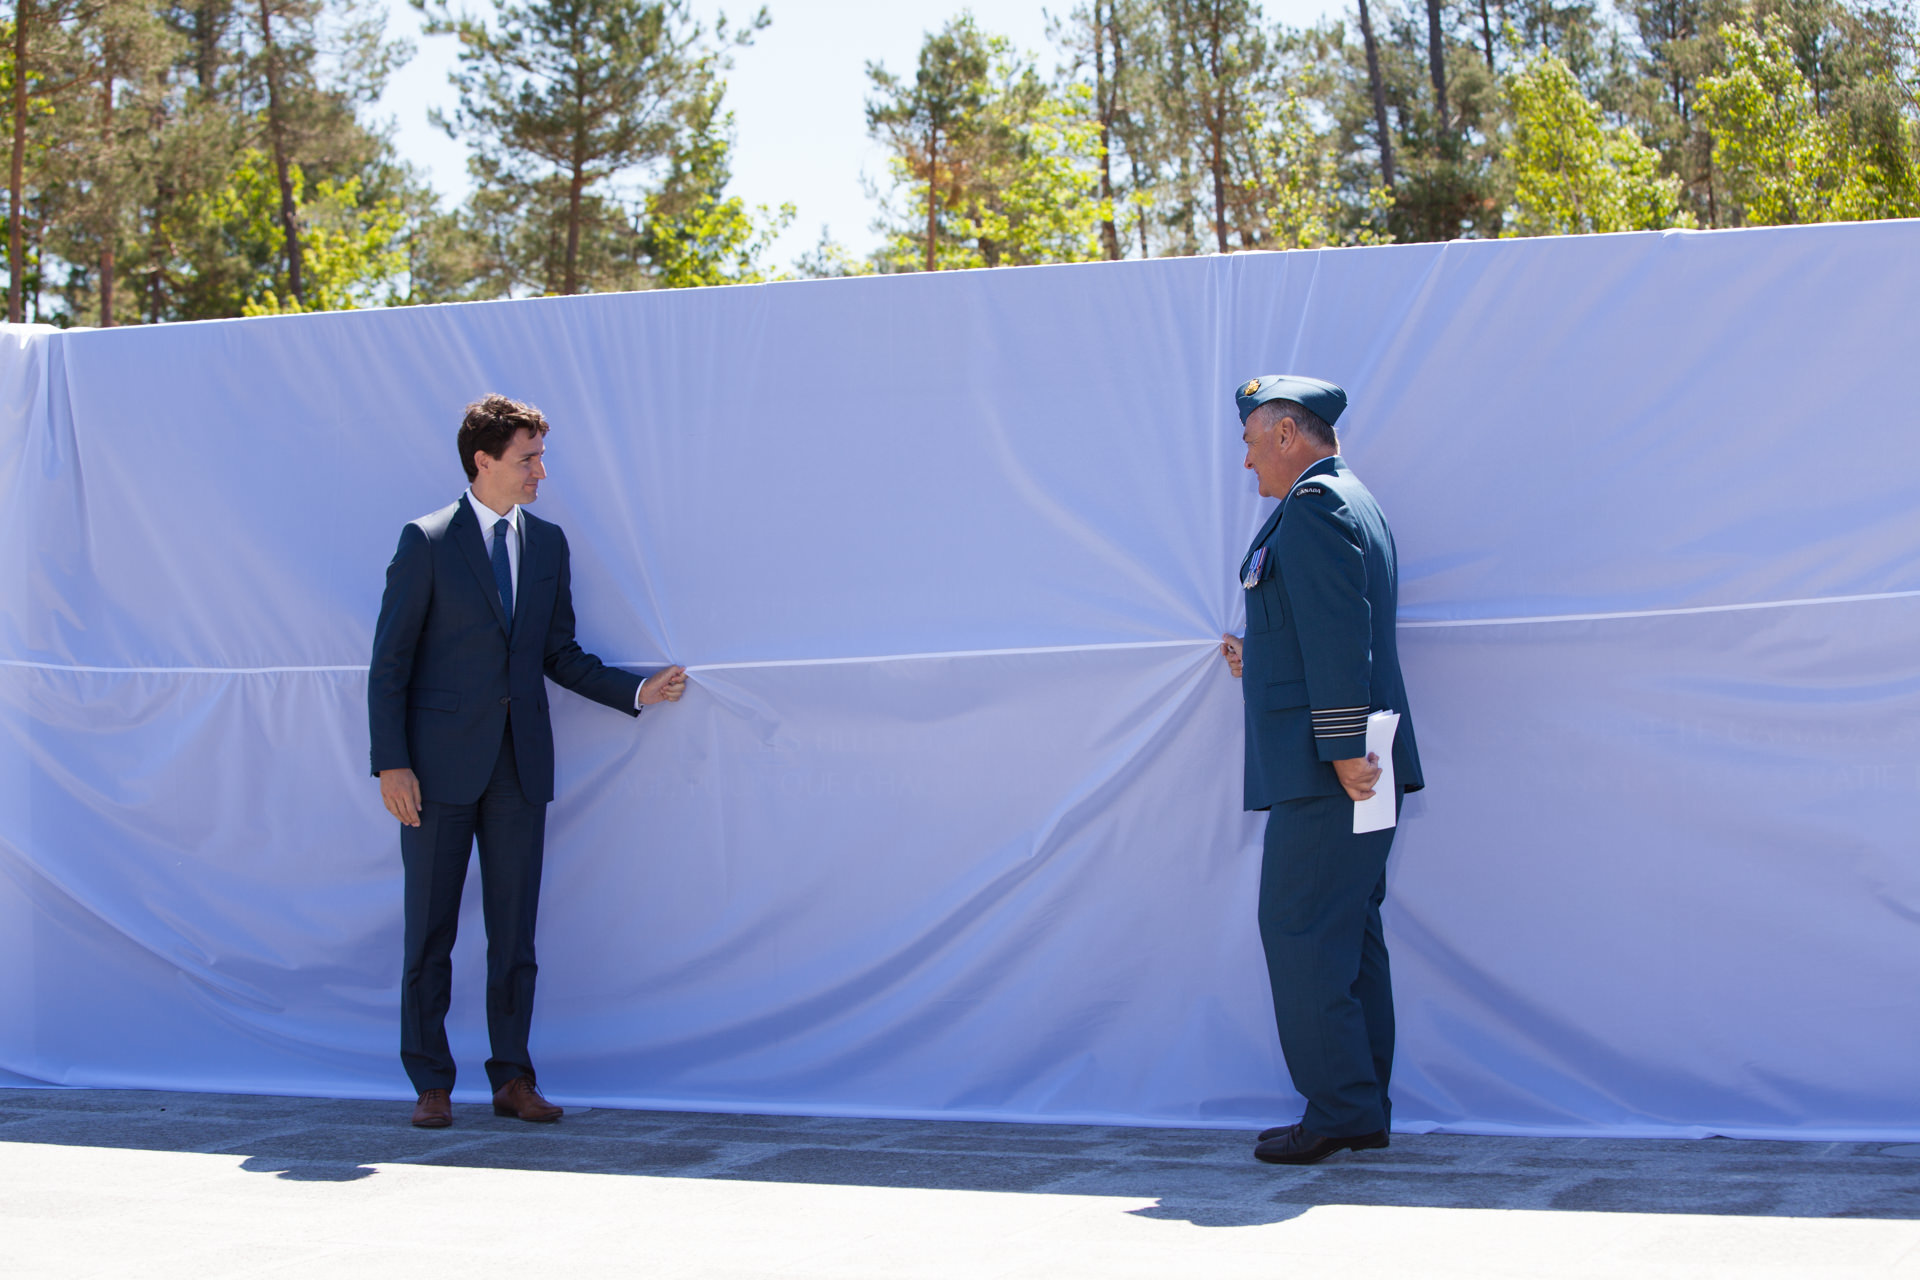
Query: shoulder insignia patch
[1310, 490]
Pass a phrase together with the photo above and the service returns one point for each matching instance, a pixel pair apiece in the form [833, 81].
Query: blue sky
[797, 95]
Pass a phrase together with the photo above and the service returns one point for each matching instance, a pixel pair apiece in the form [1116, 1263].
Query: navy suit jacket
[1321, 649]
[448, 664]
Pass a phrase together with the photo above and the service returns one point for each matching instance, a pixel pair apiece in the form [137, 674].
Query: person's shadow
[1205, 1215]
[306, 1171]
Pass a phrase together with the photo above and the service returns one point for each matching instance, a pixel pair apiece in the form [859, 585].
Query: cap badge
[1250, 388]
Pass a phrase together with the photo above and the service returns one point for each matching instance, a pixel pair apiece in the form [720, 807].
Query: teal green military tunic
[1320, 654]
[1322, 649]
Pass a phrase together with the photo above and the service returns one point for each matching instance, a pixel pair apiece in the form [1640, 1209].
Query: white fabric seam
[952, 653]
[1654, 613]
[173, 671]
[1006, 653]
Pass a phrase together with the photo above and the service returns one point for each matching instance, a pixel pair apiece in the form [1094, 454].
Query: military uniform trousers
[511, 833]
[1320, 892]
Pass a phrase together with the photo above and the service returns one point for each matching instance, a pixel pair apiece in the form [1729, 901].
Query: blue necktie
[502, 569]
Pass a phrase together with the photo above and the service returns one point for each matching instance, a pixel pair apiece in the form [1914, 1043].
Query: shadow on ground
[1206, 1177]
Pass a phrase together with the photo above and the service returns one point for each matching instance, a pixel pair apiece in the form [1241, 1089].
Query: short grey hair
[1306, 419]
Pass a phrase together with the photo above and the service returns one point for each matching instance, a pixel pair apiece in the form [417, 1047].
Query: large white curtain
[948, 823]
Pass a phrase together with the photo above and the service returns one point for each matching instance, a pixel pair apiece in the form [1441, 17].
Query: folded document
[1380, 812]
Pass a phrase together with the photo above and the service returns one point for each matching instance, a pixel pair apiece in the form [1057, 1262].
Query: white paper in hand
[1380, 812]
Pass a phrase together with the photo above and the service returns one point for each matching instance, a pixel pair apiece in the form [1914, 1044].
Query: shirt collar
[486, 516]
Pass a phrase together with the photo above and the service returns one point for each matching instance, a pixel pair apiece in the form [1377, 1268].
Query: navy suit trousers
[511, 833]
[1320, 892]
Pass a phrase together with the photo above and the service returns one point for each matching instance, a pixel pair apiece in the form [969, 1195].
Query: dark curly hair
[491, 424]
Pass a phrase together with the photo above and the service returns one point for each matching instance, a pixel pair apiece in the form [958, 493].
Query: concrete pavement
[131, 1184]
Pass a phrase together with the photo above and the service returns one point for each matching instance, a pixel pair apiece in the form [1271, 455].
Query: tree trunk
[109, 227]
[1379, 96]
[159, 249]
[933, 193]
[156, 250]
[206, 41]
[1437, 61]
[1219, 188]
[1217, 127]
[39, 244]
[569, 270]
[17, 175]
[1486, 33]
[1189, 205]
[1103, 91]
[277, 135]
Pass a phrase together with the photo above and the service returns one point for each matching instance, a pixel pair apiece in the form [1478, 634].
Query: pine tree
[933, 123]
[998, 167]
[559, 100]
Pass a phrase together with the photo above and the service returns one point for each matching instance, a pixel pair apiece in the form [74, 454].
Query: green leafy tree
[1572, 173]
[1207, 63]
[143, 119]
[997, 167]
[1782, 161]
[1111, 51]
[831, 260]
[693, 232]
[305, 68]
[1377, 95]
[1678, 37]
[1447, 118]
[1294, 175]
[97, 169]
[45, 64]
[1040, 199]
[354, 254]
[286, 52]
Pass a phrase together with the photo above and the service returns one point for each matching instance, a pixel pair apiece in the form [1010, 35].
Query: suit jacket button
[505, 701]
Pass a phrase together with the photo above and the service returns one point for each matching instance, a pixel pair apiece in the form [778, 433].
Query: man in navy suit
[478, 613]
[1320, 655]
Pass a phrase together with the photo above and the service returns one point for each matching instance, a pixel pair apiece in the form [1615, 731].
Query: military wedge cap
[1323, 398]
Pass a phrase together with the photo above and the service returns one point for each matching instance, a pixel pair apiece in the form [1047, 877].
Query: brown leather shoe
[519, 1099]
[434, 1110]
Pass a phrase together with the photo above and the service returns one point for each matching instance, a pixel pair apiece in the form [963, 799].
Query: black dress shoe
[1282, 1130]
[1296, 1144]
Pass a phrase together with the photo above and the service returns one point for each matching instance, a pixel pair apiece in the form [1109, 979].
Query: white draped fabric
[948, 823]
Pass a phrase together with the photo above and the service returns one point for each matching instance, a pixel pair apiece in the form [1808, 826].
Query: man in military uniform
[1318, 658]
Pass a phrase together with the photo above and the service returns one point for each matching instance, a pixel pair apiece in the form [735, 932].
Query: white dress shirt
[488, 517]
